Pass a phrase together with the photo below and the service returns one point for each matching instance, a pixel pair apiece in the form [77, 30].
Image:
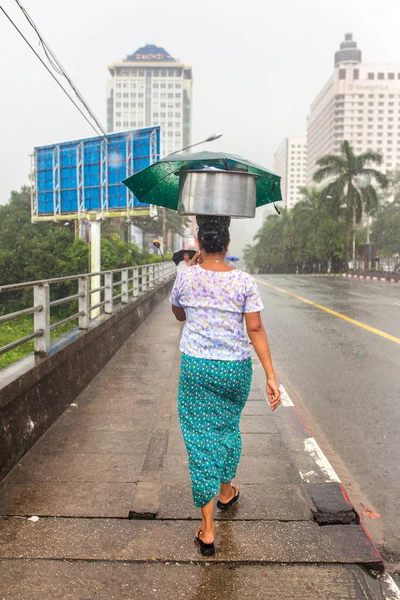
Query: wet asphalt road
[346, 382]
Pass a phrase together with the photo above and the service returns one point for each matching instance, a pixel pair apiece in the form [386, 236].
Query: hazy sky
[257, 65]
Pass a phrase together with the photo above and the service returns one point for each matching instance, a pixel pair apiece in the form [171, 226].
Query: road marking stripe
[390, 589]
[311, 446]
[392, 592]
[285, 400]
[387, 336]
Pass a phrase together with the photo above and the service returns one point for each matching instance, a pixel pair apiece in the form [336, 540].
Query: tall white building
[150, 88]
[359, 103]
[290, 161]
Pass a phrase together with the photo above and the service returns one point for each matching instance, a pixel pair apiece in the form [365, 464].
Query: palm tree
[350, 185]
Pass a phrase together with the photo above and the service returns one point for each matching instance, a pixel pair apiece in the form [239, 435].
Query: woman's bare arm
[258, 337]
[179, 313]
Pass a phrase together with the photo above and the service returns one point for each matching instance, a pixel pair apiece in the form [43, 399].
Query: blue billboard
[82, 178]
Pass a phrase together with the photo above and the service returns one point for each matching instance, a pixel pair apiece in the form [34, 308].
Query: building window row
[390, 76]
[129, 72]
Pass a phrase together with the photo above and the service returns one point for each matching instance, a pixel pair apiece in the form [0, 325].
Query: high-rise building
[150, 88]
[290, 161]
[359, 103]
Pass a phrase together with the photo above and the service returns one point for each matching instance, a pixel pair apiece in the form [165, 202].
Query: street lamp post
[211, 138]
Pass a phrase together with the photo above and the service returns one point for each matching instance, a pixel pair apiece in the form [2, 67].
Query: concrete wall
[34, 392]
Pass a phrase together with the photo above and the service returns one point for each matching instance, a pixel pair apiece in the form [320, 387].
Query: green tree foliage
[386, 229]
[304, 239]
[30, 251]
[392, 191]
[350, 186]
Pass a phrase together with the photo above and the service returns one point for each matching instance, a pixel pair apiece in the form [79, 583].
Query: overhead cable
[58, 67]
[51, 73]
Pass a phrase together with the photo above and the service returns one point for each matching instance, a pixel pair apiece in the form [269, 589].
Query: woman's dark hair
[213, 235]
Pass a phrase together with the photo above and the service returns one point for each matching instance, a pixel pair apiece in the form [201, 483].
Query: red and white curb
[390, 588]
[326, 473]
[323, 464]
[370, 277]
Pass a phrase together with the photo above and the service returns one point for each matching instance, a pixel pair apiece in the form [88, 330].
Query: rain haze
[256, 69]
[126, 321]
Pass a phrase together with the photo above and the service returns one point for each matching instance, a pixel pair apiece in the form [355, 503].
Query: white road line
[389, 587]
[285, 400]
[391, 590]
[311, 446]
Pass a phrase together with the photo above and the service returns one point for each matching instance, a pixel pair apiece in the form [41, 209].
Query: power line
[57, 66]
[47, 68]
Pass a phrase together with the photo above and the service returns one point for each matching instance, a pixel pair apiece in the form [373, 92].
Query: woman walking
[216, 370]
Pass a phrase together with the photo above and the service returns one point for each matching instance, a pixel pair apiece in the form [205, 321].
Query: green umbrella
[159, 183]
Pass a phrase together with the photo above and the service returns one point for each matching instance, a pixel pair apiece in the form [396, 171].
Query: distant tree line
[31, 251]
[316, 234]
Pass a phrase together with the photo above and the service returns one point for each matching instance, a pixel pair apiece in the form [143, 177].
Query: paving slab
[150, 372]
[256, 503]
[136, 404]
[278, 468]
[330, 503]
[120, 451]
[139, 540]
[262, 445]
[69, 500]
[252, 469]
[106, 420]
[127, 386]
[257, 407]
[248, 424]
[61, 467]
[257, 424]
[124, 359]
[59, 580]
[83, 439]
[257, 394]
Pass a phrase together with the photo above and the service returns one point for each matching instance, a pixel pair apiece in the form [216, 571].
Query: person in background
[216, 370]
[184, 264]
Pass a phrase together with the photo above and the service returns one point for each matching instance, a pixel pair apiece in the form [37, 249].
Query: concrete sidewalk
[110, 484]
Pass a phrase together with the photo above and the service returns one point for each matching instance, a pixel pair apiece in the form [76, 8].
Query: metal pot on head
[218, 193]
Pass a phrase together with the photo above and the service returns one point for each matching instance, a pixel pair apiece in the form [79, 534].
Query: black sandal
[205, 549]
[227, 505]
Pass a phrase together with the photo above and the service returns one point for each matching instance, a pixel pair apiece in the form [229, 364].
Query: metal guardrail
[117, 288]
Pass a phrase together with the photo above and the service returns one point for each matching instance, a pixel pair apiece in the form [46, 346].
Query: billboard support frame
[153, 159]
[129, 171]
[95, 264]
[80, 180]
[56, 181]
[104, 175]
[34, 204]
[153, 147]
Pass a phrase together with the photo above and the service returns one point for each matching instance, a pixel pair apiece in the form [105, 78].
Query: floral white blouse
[214, 303]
